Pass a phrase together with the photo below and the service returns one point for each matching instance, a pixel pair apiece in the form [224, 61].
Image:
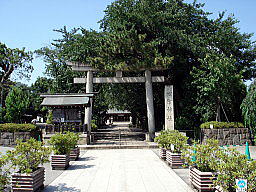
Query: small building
[114, 115]
[67, 108]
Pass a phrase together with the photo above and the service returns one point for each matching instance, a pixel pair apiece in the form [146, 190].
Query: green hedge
[221, 125]
[13, 127]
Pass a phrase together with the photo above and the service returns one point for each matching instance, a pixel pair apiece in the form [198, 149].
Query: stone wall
[230, 136]
[8, 139]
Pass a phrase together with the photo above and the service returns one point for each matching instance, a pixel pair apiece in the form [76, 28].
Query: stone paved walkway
[122, 170]
[119, 134]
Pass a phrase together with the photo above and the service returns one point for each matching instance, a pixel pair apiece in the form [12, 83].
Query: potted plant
[177, 143]
[163, 143]
[4, 172]
[26, 158]
[61, 147]
[202, 172]
[233, 165]
[75, 150]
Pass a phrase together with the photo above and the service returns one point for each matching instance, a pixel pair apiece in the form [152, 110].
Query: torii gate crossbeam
[148, 80]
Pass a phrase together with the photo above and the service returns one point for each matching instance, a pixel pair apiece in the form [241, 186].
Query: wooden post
[150, 105]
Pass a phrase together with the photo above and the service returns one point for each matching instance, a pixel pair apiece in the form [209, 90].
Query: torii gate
[148, 80]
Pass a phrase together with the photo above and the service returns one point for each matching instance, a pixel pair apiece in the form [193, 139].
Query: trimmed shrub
[13, 127]
[60, 143]
[168, 138]
[203, 156]
[73, 139]
[162, 140]
[27, 156]
[232, 165]
[5, 172]
[221, 125]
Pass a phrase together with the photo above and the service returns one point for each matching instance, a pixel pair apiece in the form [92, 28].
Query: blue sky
[30, 23]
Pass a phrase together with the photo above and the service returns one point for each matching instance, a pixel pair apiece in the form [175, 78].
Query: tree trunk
[218, 111]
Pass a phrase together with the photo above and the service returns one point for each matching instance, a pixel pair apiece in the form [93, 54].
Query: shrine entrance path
[120, 134]
[119, 170]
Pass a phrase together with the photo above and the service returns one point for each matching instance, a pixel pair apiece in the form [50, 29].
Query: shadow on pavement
[74, 167]
[61, 187]
[85, 158]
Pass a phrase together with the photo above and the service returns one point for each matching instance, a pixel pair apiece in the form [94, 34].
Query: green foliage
[5, 171]
[162, 140]
[232, 165]
[227, 163]
[17, 102]
[61, 144]
[221, 125]
[49, 117]
[172, 137]
[56, 67]
[13, 127]
[212, 81]
[73, 139]
[41, 85]
[182, 123]
[205, 57]
[14, 60]
[248, 107]
[2, 114]
[205, 155]
[93, 125]
[27, 156]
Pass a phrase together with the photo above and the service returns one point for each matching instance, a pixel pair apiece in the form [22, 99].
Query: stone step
[111, 136]
[95, 146]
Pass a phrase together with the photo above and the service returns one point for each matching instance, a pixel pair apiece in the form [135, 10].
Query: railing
[61, 128]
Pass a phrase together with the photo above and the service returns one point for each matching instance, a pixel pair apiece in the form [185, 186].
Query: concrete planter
[74, 154]
[174, 159]
[60, 162]
[28, 182]
[162, 153]
[202, 181]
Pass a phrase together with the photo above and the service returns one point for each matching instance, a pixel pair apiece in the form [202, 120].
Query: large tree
[17, 103]
[248, 107]
[13, 62]
[197, 42]
[199, 53]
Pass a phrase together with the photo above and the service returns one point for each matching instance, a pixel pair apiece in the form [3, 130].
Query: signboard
[172, 147]
[241, 185]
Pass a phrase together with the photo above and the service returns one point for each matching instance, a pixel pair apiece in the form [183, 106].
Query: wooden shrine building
[67, 108]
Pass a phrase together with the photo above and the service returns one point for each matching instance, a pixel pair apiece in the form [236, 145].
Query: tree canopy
[13, 62]
[204, 58]
[17, 103]
[248, 107]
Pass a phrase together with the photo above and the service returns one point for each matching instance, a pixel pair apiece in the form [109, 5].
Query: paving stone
[127, 170]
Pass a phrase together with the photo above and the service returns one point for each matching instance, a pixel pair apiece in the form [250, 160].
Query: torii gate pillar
[88, 110]
[150, 105]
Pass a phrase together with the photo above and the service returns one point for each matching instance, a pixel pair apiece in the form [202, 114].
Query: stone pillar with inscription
[169, 108]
